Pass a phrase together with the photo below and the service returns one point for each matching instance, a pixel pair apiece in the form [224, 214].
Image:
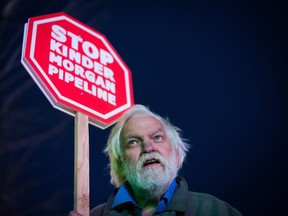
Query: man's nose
[148, 146]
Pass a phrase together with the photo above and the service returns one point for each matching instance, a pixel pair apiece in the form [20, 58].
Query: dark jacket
[183, 202]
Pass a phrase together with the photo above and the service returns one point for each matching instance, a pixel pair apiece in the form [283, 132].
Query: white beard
[151, 180]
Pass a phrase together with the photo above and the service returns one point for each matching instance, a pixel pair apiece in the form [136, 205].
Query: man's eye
[158, 138]
[133, 142]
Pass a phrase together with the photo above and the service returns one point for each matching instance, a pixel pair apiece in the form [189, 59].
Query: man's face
[144, 135]
[148, 155]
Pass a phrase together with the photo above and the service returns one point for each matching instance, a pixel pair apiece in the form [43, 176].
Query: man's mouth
[150, 162]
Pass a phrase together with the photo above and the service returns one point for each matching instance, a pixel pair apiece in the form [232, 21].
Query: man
[145, 153]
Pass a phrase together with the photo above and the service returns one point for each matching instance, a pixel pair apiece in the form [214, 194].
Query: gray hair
[113, 147]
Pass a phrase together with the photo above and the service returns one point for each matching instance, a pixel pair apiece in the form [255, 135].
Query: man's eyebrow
[161, 129]
[131, 135]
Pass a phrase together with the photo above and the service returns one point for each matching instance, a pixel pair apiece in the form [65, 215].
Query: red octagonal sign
[77, 68]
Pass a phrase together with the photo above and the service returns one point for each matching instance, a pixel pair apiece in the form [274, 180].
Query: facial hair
[151, 180]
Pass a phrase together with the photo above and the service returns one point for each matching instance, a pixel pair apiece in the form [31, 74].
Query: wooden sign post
[81, 165]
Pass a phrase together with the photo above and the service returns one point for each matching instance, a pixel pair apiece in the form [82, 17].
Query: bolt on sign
[77, 68]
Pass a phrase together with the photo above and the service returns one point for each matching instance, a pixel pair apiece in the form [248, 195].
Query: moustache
[151, 158]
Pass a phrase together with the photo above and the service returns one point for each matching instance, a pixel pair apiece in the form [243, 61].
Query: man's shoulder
[203, 202]
[202, 196]
[103, 209]
[98, 210]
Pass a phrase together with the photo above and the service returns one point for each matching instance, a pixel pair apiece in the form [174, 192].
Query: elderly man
[146, 152]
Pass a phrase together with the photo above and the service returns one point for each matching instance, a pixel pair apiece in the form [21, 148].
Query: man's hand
[74, 213]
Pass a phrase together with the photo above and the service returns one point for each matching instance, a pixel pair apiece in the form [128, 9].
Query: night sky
[216, 69]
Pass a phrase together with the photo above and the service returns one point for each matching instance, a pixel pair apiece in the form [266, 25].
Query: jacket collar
[179, 200]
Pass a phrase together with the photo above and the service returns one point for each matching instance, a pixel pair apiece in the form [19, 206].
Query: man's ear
[177, 158]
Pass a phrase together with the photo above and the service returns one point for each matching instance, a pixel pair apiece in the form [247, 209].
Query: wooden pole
[81, 165]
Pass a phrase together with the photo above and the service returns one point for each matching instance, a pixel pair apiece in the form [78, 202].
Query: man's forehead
[142, 124]
[129, 134]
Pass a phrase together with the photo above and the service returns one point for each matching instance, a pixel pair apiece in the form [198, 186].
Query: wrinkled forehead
[142, 124]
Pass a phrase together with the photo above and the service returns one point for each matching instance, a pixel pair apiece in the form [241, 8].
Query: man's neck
[148, 206]
[147, 201]
[148, 211]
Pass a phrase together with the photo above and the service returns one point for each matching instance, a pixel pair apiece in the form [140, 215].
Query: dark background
[217, 69]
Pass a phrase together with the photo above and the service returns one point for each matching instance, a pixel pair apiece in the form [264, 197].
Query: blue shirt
[123, 196]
